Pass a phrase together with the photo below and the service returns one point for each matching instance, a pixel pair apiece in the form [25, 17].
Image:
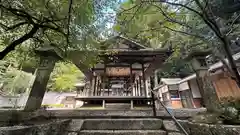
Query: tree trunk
[39, 86]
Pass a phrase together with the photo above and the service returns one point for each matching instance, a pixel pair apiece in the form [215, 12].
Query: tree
[15, 82]
[194, 20]
[145, 23]
[45, 21]
[195, 23]
[64, 77]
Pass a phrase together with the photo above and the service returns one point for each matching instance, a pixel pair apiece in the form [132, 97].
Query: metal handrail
[173, 117]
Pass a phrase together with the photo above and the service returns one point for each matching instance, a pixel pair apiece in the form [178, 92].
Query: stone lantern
[206, 88]
[79, 87]
[198, 62]
[48, 57]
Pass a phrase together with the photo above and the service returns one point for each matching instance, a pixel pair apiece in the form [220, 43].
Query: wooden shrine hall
[123, 76]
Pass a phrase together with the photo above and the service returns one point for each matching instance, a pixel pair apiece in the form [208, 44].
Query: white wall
[194, 89]
[183, 86]
[173, 87]
[164, 89]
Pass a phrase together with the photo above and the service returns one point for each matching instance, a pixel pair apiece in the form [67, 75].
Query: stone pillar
[206, 88]
[208, 91]
[46, 66]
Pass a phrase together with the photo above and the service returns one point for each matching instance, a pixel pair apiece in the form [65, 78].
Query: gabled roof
[220, 64]
[170, 81]
[190, 77]
[129, 42]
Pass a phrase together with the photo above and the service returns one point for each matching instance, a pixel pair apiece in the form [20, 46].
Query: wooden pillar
[140, 84]
[131, 80]
[134, 89]
[137, 90]
[103, 81]
[94, 85]
[153, 96]
[132, 106]
[46, 66]
[90, 90]
[98, 86]
[144, 81]
[103, 104]
[102, 86]
[108, 86]
[155, 79]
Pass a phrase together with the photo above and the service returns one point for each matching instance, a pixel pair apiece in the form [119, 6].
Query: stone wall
[178, 113]
[55, 127]
[200, 128]
[76, 126]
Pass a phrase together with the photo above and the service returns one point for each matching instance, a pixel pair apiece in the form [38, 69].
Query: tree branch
[211, 23]
[183, 32]
[20, 13]
[169, 19]
[69, 20]
[233, 22]
[57, 29]
[7, 28]
[12, 46]
[125, 10]
[174, 4]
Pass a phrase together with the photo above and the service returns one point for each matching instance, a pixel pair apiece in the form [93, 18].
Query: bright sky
[110, 15]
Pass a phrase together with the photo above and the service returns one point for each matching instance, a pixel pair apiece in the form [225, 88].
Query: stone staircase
[118, 106]
[122, 126]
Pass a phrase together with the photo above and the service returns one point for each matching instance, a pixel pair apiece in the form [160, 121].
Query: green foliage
[64, 77]
[142, 22]
[181, 25]
[15, 81]
[147, 23]
[231, 101]
[230, 110]
[53, 105]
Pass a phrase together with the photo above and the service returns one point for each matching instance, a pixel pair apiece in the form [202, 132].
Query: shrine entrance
[123, 75]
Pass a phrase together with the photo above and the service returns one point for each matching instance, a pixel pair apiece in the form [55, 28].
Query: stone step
[122, 124]
[123, 132]
[115, 106]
